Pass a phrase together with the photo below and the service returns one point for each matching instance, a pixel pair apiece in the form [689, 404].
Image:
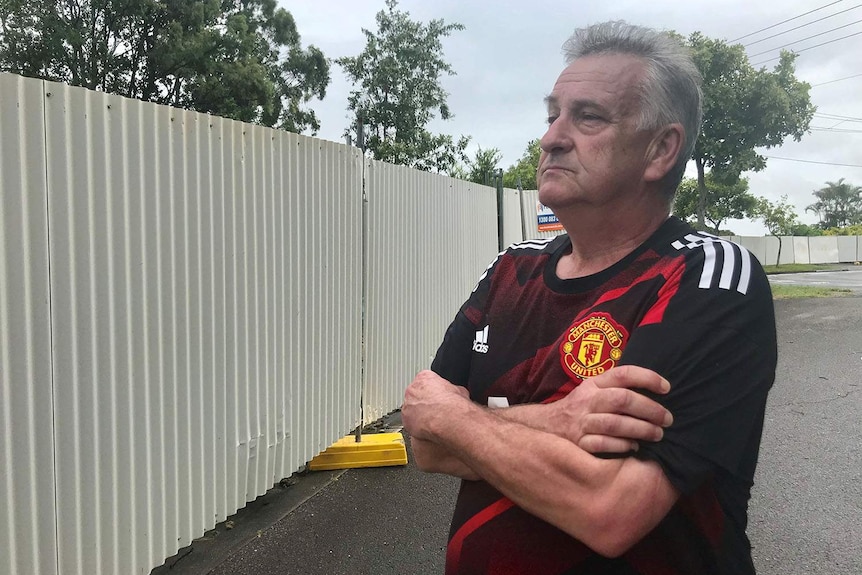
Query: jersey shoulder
[525, 249]
[712, 263]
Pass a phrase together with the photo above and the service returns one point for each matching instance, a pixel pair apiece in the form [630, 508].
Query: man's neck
[598, 243]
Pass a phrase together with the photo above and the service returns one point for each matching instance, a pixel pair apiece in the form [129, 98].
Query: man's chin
[553, 196]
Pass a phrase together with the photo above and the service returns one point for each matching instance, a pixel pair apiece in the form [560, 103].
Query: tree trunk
[778, 258]
[701, 193]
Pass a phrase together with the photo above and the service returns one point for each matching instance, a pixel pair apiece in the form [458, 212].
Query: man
[602, 393]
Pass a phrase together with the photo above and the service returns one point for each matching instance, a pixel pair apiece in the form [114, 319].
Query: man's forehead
[597, 77]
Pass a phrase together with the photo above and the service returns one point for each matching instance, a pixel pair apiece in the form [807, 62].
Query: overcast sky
[508, 58]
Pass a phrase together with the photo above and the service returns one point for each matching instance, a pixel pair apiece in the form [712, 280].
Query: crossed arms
[541, 455]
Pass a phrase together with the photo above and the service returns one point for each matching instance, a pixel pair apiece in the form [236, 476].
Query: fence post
[498, 182]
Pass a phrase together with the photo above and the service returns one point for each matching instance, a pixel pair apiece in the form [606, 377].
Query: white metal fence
[198, 269]
[28, 541]
[425, 232]
[181, 314]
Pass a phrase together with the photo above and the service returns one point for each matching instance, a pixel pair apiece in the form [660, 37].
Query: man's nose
[556, 138]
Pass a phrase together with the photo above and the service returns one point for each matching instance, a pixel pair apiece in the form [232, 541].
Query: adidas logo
[480, 344]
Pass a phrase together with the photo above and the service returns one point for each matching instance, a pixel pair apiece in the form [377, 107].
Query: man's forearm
[607, 504]
[532, 415]
[434, 458]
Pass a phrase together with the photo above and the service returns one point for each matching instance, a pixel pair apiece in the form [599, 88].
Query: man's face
[593, 152]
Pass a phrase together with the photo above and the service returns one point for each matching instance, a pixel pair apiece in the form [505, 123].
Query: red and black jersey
[696, 309]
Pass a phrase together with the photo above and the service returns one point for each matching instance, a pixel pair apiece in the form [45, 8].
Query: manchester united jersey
[696, 309]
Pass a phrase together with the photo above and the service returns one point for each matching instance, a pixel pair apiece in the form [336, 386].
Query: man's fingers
[632, 403]
[632, 377]
[605, 444]
[621, 426]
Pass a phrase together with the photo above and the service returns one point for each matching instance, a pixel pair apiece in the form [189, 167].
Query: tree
[801, 229]
[524, 171]
[399, 91]
[724, 200]
[838, 204]
[744, 109]
[853, 230]
[481, 167]
[241, 59]
[780, 219]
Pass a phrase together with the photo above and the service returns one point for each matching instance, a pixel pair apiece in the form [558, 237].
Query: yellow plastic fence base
[375, 450]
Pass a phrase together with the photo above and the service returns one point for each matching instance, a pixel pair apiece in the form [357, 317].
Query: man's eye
[551, 118]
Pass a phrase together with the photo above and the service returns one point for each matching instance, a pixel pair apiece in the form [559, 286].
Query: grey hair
[671, 89]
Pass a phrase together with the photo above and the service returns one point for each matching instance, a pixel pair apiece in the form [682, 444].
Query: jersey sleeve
[453, 357]
[711, 334]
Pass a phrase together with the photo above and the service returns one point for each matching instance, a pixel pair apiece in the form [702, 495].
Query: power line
[836, 130]
[838, 80]
[800, 26]
[803, 39]
[809, 48]
[785, 21]
[814, 162]
[837, 117]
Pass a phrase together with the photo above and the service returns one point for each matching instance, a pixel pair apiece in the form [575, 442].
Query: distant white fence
[802, 249]
[181, 304]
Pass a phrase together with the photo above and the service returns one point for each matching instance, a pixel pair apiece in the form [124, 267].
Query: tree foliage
[481, 167]
[780, 219]
[744, 109]
[240, 59]
[800, 229]
[839, 204]
[524, 171]
[854, 230]
[398, 91]
[725, 200]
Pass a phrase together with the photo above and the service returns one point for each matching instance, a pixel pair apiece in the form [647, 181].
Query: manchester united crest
[593, 345]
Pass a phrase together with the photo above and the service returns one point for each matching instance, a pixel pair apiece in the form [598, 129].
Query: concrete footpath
[805, 513]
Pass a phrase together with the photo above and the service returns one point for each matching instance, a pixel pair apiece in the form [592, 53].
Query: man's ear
[663, 152]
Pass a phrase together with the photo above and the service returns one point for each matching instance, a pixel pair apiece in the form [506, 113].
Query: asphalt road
[805, 513]
[806, 509]
[851, 279]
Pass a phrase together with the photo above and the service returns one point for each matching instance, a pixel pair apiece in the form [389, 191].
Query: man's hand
[425, 398]
[423, 401]
[605, 414]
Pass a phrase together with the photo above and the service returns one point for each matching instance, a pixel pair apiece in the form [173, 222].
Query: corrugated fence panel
[27, 500]
[513, 227]
[429, 239]
[206, 318]
[324, 235]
